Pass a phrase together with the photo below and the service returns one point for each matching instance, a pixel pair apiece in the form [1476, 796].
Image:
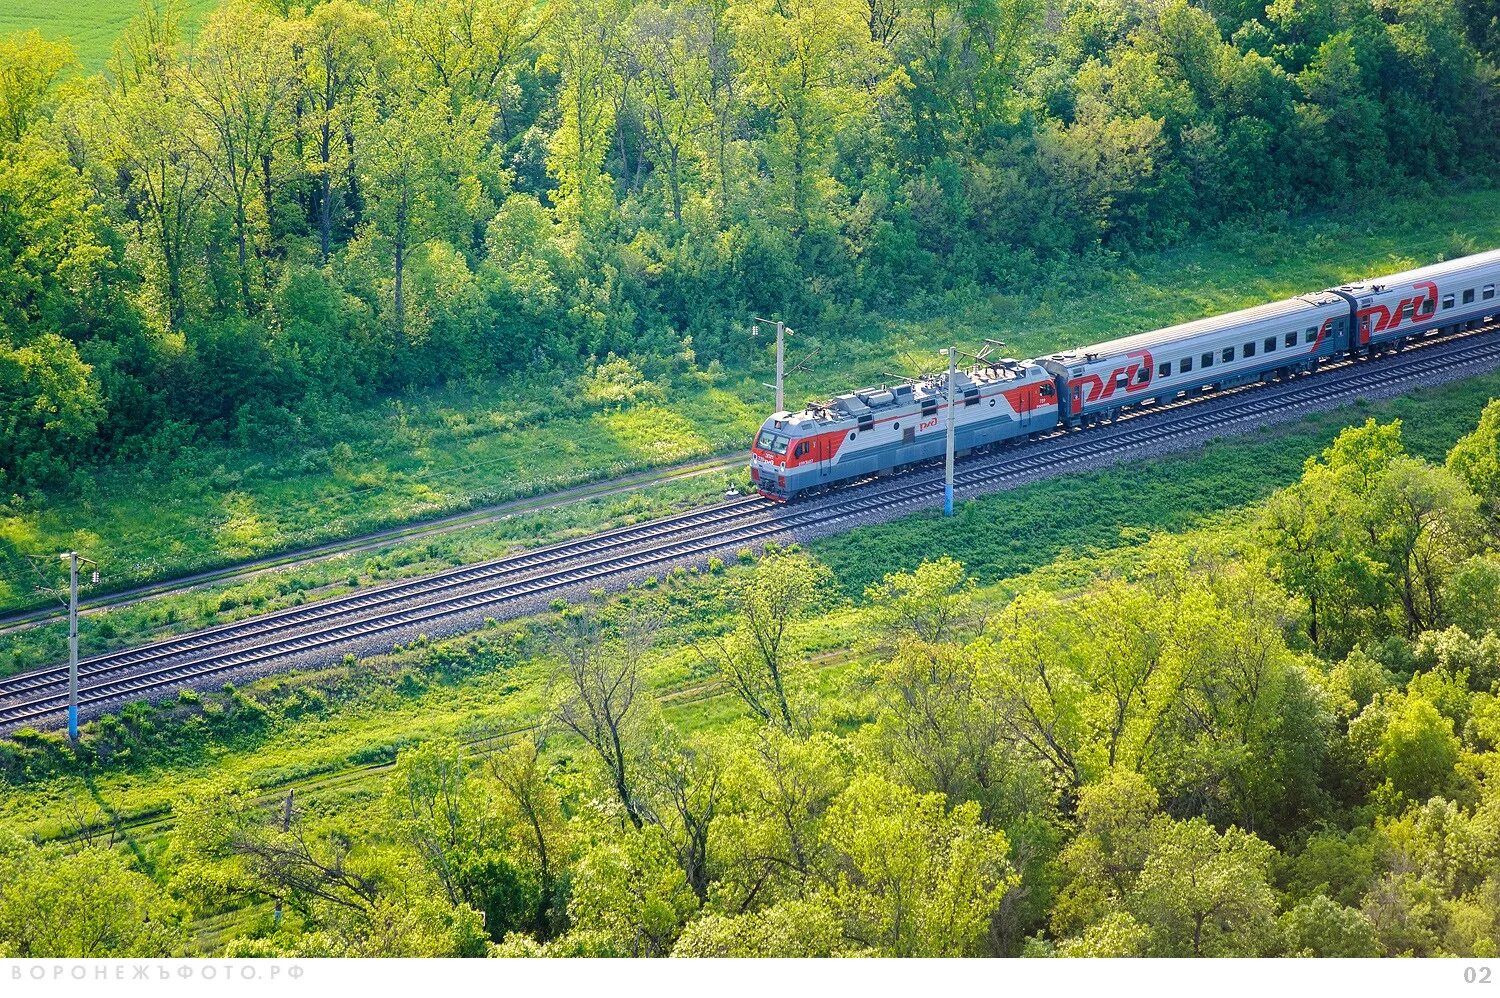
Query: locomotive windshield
[773, 442]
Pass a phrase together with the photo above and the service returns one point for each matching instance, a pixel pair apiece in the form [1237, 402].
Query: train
[1004, 401]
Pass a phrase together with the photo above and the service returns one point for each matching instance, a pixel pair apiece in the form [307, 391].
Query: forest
[1274, 737]
[237, 233]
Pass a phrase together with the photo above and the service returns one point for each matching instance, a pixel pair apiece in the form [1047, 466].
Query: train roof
[1271, 312]
[1489, 261]
[867, 401]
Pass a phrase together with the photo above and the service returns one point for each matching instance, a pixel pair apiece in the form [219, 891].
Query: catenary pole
[780, 365]
[782, 332]
[72, 557]
[952, 353]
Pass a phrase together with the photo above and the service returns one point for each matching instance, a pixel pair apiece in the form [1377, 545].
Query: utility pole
[72, 558]
[782, 332]
[952, 353]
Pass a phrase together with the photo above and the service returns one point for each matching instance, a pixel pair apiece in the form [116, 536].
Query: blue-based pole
[948, 468]
[72, 557]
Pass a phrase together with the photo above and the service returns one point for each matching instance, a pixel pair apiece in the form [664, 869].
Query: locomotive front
[769, 456]
[785, 456]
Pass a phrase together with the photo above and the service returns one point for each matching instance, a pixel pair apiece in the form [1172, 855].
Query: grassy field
[91, 27]
[194, 507]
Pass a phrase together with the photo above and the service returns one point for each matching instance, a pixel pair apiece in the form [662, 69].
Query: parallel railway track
[518, 580]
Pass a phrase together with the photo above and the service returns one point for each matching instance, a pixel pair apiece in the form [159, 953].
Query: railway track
[519, 580]
[375, 541]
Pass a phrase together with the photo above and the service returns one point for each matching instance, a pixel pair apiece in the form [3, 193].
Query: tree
[532, 814]
[579, 44]
[673, 48]
[754, 659]
[1203, 893]
[1475, 459]
[631, 893]
[932, 604]
[597, 699]
[779, 788]
[1428, 520]
[469, 50]
[793, 929]
[1119, 822]
[1324, 536]
[140, 117]
[938, 724]
[60, 263]
[808, 65]
[40, 914]
[907, 875]
[357, 902]
[340, 43]
[439, 806]
[238, 81]
[415, 171]
[1250, 730]
[1408, 744]
[1320, 927]
[685, 783]
[29, 66]
[50, 407]
[1038, 686]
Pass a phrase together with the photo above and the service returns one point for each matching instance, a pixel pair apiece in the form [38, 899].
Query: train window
[1447, 301]
[1270, 344]
[1469, 297]
[1228, 354]
[1143, 376]
[1249, 349]
[1312, 334]
[1291, 339]
[1164, 370]
[1048, 391]
[1489, 292]
[1207, 359]
[773, 442]
[1186, 365]
[802, 449]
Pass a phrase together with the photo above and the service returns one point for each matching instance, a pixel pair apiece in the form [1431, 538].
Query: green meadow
[91, 26]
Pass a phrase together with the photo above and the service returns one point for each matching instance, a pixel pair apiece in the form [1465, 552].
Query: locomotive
[887, 429]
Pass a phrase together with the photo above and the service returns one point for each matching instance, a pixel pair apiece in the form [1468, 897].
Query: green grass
[395, 462]
[91, 26]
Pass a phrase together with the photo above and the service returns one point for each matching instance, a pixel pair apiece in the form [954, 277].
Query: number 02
[1476, 975]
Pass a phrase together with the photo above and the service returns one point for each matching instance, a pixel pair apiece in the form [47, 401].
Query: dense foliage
[313, 202]
[1271, 738]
